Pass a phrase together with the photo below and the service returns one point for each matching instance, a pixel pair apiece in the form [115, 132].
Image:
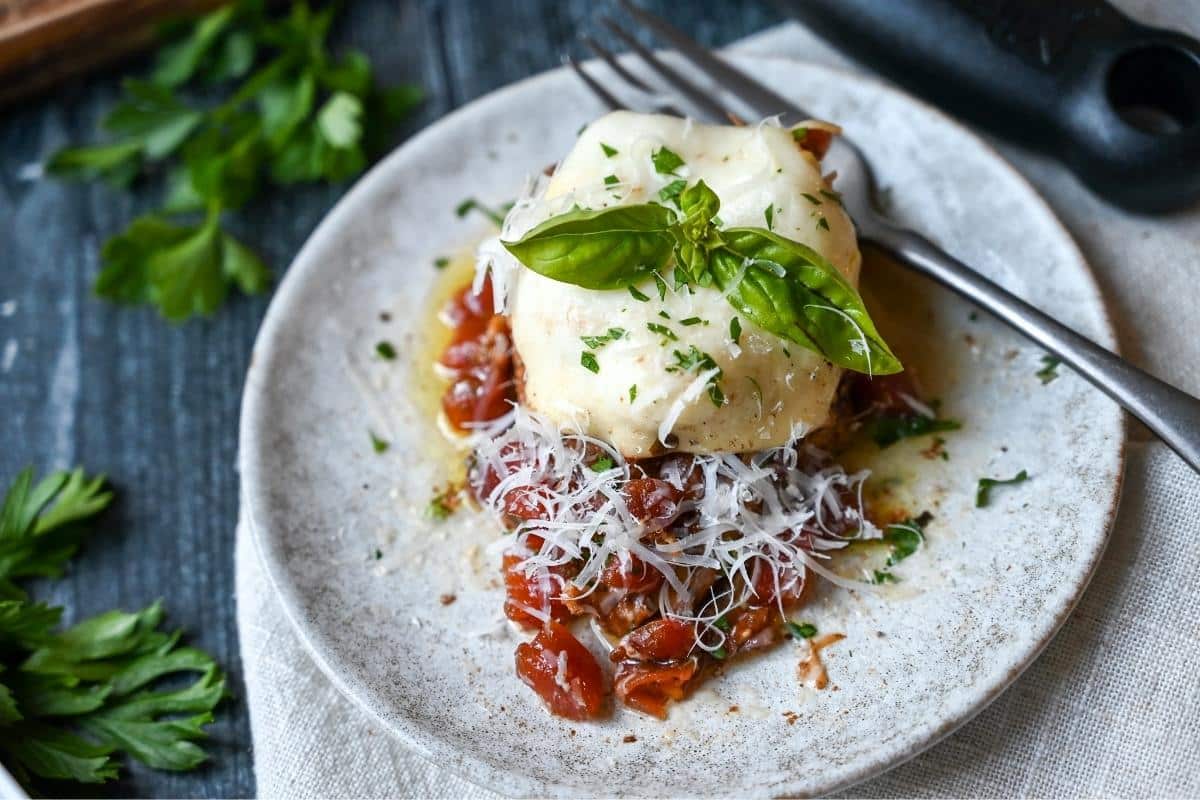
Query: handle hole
[1156, 89]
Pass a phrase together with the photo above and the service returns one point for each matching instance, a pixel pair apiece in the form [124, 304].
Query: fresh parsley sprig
[75, 701]
[288, 112]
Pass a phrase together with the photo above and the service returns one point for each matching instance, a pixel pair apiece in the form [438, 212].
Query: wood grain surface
[155, 406]
[43, 42]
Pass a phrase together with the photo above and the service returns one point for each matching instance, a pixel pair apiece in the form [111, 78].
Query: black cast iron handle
[1118, 102]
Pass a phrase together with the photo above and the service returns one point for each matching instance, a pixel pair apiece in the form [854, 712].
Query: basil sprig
[609, 248]
[782, 286]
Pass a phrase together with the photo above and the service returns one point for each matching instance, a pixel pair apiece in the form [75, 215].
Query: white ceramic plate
[974, 607]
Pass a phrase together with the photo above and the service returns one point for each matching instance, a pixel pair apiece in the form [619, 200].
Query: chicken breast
[631, 390]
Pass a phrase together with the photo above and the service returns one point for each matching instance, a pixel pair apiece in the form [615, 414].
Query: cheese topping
[769, 389]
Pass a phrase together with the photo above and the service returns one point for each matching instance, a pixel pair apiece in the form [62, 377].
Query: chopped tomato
[654, 502]
[762, 583]
[649, 687]
[631, 574]
[757, 627]
[563, 672]
[479, 356]
[816, 141]
[660, 640]
[524, 592]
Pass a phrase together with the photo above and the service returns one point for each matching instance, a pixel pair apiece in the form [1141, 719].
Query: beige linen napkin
[1111, 708]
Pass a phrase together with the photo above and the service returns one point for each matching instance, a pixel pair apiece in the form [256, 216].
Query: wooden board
[44, 41]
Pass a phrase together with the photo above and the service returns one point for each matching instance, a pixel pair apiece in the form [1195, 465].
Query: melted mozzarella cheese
[773, 389]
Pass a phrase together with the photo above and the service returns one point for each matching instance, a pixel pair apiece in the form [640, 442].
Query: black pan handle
[1118, 102]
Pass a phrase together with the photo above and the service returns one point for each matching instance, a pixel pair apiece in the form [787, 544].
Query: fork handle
[1172, 414]
[1118, 102]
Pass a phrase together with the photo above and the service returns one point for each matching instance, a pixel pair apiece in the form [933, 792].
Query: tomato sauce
[657, 660]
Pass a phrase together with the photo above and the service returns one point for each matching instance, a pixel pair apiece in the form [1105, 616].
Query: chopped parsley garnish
[595, 342]
[441, 262]
[695, 360]
[442, 504]
[722, 624]
[720, 654]
[588, 361]
[609, 152]
[377, 444]
[973, 316]
[1049, 370]
[887, 429]
[799, 134]
[832, 195]
[663, 331]
[769, 216]
[661, 285]
[735, 330]
[823, 224]
[639, 295]
[903, 539]
[632, 393]
[471, 204]
[802, 630]
[378, 554]
[385, 350]
[983, 494]
[611, 180]
[810, 198]
[663, 313]
[602, 464]
[692, 321]
[670, 193]
[665, 161]
[883, 576]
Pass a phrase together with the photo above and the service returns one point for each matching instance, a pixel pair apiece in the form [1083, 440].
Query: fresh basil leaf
[599, 249]
[792, 291]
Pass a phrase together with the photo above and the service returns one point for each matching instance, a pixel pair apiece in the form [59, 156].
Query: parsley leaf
[74, 701]
[609, 152]
[887, 429]
[377, 444]
[665, 161]
[385, 350]
[663, 331]
[983, 494]
[602, 463]
[1049, 370]
[588, 361]
[632, 393]
[670, 193]
[287, 111]
[802, 630]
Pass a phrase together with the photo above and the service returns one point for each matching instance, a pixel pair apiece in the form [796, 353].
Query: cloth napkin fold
[1111, 708]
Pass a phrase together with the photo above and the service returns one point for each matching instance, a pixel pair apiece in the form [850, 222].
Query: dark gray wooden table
[155, 406]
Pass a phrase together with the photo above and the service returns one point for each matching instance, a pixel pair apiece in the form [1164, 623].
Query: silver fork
[1172, 414]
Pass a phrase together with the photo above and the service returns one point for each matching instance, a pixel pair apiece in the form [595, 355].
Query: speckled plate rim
[467, 765]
